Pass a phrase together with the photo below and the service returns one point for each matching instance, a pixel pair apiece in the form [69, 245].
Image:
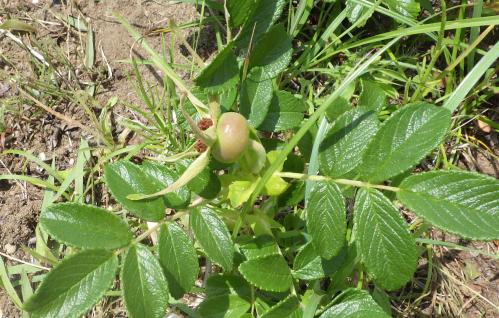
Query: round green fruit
[232, 137]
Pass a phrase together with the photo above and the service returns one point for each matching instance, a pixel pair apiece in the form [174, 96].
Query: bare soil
[30, 129]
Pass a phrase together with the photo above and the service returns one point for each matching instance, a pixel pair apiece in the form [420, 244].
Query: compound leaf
[346, 141]
[74, 285]
[213, 236]
[178, 258]
[85, 226]
[460, 202]
[404, 140]
[326, 218]
[276, 276]
[384, 242]
[145, 289]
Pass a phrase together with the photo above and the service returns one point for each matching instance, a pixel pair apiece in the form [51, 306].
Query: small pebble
[10, 249]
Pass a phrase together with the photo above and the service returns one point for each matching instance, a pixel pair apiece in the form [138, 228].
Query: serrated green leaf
[206, 184]
[276, 276]
[74, 285]
[222, 74]
[261, 246]
[145, 289]
[228, 284]
[124, 178]
[404, 140]
[285, 112]
[283, 309]
[166, 176]
[224, 306]
[239, 11]
[309, 265]
[326, 218]
[338, 108]
[372, 97]
[355, 303]
[384, 242]
[255, 98]
[459, 202]
[85, 226]
[213, 236]
[265, 14]
[178, 258]
[346, 141]
[272, 53]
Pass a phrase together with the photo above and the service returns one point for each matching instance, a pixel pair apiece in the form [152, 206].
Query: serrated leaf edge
[100, 295]
[256, 285]
[57, 238]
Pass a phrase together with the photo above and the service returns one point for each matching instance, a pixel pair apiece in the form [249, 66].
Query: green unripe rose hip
[232, 137]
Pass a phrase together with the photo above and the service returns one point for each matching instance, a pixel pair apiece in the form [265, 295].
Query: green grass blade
[9, 289]
[90, 50]
[51, 171]
[477, 12]
[301, 16]
[313, 166]
[34, 181]
[160, 62]
[77, 173]
[419, 29]
[472, 78]
[457, 247]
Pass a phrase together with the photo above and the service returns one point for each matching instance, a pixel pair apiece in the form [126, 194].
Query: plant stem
[151, 230]
[12, 258]
[353, 183]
